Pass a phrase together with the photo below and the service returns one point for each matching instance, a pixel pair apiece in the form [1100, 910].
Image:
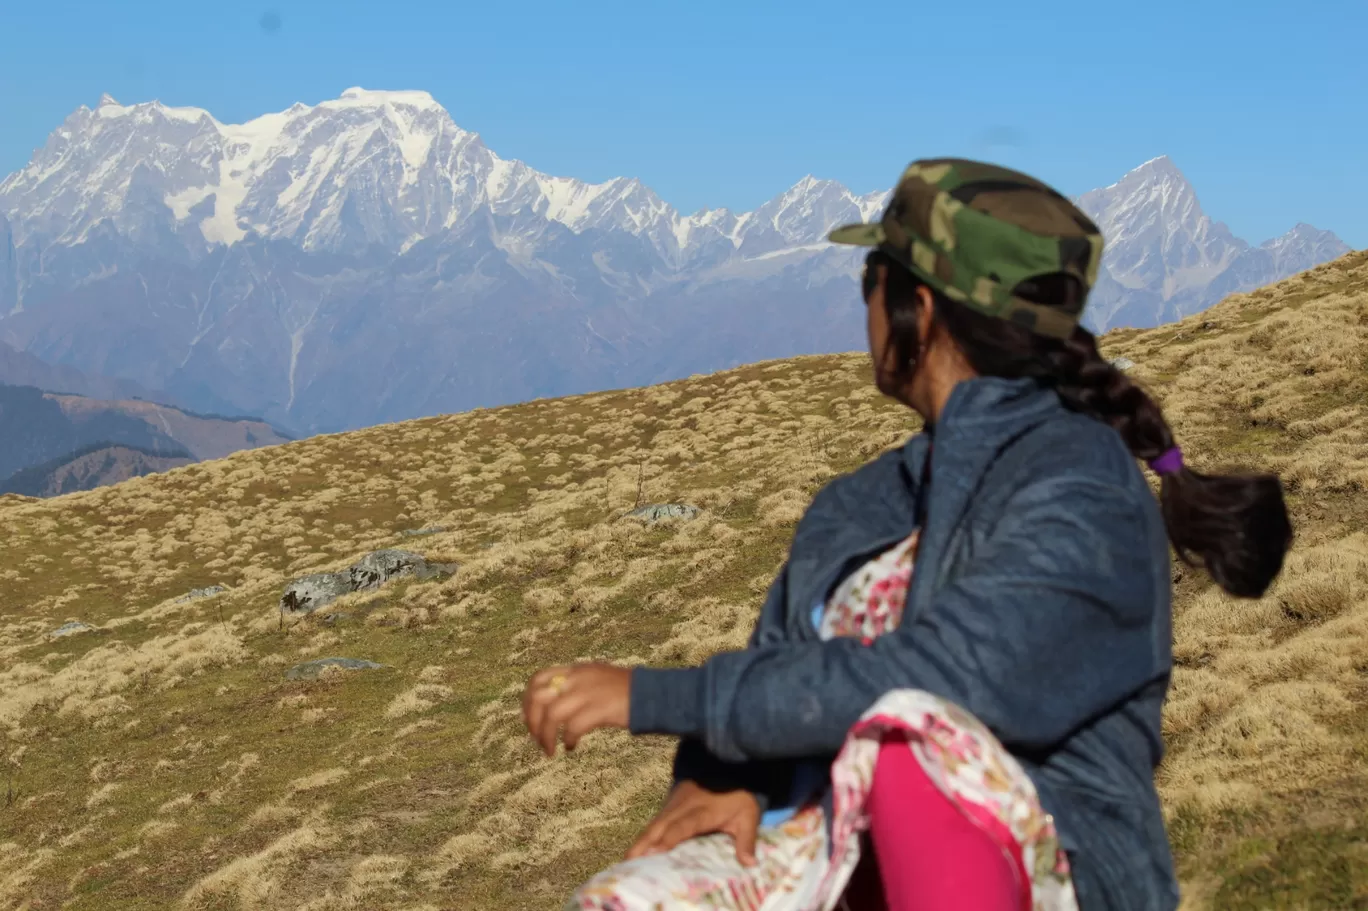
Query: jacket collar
[878, 503]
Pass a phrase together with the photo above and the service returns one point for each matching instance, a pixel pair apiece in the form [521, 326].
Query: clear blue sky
[1264, 105]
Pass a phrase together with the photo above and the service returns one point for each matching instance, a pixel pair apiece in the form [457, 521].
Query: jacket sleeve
[1051, 623]
[770, 781]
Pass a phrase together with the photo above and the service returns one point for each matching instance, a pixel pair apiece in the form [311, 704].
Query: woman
[963, 662]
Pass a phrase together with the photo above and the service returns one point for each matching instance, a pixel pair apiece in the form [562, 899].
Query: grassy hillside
[163, 759]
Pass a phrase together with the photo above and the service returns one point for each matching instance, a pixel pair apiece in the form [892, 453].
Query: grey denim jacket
[1040, 602]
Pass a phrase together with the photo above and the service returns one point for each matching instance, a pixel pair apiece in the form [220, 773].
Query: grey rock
[423, 532]
[70, 629]
[308, 593]
[375, 569]
[1122, 363]
[310, 670]
[659, 511]
[196, 593]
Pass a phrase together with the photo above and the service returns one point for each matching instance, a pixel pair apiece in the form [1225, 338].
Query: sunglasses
[869, 277]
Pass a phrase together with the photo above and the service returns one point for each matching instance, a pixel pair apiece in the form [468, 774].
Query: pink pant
[930, 857]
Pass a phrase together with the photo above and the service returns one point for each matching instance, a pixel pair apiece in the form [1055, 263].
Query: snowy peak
[1153, 193]
[1301, 248]
[803, 214]
[410, 270]
[369, 168]
[1304, 235]
[1157, 235]
[408, 98]
[1165, 258]
[374, 173]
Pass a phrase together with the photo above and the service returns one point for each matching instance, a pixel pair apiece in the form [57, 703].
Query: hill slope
[163, 758]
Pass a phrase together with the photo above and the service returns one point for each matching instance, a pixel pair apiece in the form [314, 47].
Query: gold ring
[556, 684]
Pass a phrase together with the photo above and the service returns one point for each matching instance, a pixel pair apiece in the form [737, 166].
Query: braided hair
[1234, 525]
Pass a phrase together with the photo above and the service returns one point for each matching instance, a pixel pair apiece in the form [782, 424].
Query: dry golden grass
[163, 760]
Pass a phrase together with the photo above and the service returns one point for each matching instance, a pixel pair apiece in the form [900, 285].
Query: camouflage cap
[973, 231]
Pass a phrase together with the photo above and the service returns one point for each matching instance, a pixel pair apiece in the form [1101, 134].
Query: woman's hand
[693, 810]
[579, 698]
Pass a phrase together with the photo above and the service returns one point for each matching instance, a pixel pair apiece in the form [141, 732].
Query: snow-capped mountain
[365, 259]
[1166, 259]
[385, 169]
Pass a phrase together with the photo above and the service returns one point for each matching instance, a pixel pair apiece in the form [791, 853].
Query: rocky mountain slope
[89, 467]
[1166, 259]
[365, 260]
[165, 747]
[47, 429]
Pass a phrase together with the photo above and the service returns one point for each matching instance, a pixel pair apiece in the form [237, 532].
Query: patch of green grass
[1317, 869]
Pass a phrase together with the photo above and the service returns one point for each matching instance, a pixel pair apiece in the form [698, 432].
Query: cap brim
[861, 235]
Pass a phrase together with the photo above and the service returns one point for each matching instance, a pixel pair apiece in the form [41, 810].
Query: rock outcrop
[658, 511]
[308, 593]
[197, 593]
[310, 670]
[73, 628]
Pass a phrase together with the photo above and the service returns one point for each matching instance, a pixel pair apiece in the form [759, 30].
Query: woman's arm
[1061, 614]
[770, 781]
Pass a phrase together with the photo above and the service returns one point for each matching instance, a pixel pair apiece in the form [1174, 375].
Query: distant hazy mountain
[89, 467]
[366, 260]
[19, 368]
[46, 429]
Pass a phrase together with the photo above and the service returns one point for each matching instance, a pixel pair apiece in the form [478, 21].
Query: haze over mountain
[366, 260]
[42, 433]
[89, 467]
[19, 368]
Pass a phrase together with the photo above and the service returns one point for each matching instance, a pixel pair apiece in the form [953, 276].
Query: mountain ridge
[365, 260]
[94, 465]
[42, 431]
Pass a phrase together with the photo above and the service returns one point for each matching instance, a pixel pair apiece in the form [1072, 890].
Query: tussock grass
[163, 760]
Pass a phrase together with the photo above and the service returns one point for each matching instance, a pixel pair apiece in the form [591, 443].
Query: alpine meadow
[160, 753]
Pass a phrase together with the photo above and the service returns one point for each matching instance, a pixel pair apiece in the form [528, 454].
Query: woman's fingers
[667, 830]
[536, 695]
[570, 710]
[587, 717]
[579, 698]
[693, 815]
[648, 840]
[677, 802]
[544, 691]
[743, 832]
[687, 824]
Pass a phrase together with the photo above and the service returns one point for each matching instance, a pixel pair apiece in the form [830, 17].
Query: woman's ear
[926, 314]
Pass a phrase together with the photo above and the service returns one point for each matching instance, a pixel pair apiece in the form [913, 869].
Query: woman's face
[919, 391]
[874, 282]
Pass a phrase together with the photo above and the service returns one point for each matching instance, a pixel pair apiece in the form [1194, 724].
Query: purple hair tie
[1168, 462]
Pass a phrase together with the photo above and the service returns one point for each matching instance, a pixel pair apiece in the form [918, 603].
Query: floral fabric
[795, 869]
